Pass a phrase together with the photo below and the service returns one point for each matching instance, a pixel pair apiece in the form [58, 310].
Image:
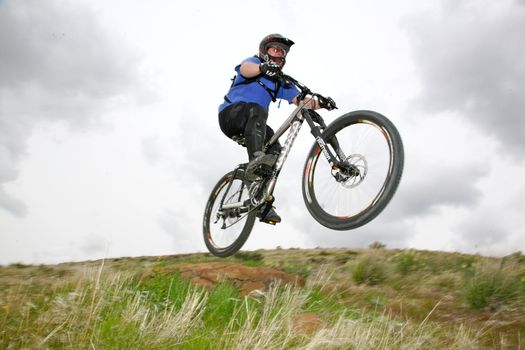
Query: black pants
[248, 120]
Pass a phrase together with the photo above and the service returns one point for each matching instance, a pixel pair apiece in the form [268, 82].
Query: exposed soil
[247, 279]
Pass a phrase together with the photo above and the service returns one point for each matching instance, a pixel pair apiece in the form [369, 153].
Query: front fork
[342, 170]
[335, 163]
[316, 132]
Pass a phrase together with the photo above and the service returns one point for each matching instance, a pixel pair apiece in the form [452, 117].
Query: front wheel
[355, 191]
[229, 217]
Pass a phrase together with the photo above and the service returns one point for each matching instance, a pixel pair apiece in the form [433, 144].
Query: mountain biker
[243, 114]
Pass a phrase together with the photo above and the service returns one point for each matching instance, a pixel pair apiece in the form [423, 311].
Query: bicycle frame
[294, 123]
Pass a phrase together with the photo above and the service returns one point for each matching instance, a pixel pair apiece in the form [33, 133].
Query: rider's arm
[250, 69]
[310, 102]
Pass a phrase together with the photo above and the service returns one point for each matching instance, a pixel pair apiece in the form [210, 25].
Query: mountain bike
[351, 173]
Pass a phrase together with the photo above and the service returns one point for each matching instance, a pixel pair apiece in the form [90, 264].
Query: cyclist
[243, 114]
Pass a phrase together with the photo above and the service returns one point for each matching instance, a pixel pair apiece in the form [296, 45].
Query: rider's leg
[255, 129]
[256, 134]
[276, 147]
[232, 120]
[271, 217]
[248, 121]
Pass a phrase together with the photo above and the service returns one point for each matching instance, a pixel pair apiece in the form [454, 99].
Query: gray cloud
[93, 245]
[185, 236]
[151, 149]
[56, 63]
[482, 233]
[393, 234]
[389, 227]
[11, 204]
[446, 185]
[472, 60]
[60, 48]
[423, 191]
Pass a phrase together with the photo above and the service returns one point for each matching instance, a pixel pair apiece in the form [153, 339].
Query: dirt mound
[246, 278]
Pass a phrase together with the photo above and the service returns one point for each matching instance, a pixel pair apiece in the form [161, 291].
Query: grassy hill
[352, 299]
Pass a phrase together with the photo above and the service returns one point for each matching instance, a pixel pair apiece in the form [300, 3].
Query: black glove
[327, 103]
[269, 68]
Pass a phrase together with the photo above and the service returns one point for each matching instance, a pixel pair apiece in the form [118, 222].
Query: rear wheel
[228, 218]
[359, 188]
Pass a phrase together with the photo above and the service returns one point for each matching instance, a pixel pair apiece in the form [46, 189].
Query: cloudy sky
[109, 141]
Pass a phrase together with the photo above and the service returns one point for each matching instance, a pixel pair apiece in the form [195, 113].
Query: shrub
[517, 257]
[465, 262]
[447, 281]
[407, 261]
[296, 269]
[19, 265]
[377, 245]
[249, 256]
[368, 271]
[492, 287]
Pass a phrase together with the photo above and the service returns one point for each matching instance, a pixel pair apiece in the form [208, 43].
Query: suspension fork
[335, 144]
[316, 132]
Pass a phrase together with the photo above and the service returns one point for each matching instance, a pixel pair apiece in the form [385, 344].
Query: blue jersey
[255, 91]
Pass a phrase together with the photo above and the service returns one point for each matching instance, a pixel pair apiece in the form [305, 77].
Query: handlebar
[325, 102]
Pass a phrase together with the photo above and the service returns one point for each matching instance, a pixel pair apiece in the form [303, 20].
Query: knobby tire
[212, 231]
[385, 134]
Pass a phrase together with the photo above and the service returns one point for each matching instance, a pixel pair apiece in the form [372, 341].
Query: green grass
[364, 299]
[369, 271]
[249, 256]
[163, 289]
[407, 261]
[493, 286]
[296, 269]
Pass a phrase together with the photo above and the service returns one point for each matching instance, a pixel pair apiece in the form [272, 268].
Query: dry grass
[421, 302]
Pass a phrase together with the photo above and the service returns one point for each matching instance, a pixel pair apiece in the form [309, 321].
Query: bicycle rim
[374, 147]
[225, 231]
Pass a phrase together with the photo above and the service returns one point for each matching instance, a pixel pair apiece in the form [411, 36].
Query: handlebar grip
[327, 103]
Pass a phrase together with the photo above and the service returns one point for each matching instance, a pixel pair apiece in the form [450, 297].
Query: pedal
[266, 221]
[263, 211]
[269, 222]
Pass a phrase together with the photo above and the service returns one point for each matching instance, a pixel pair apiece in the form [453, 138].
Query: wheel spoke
[226, 229]
[372, 146]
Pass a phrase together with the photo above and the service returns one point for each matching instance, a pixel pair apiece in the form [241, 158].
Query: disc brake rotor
[355, 172]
